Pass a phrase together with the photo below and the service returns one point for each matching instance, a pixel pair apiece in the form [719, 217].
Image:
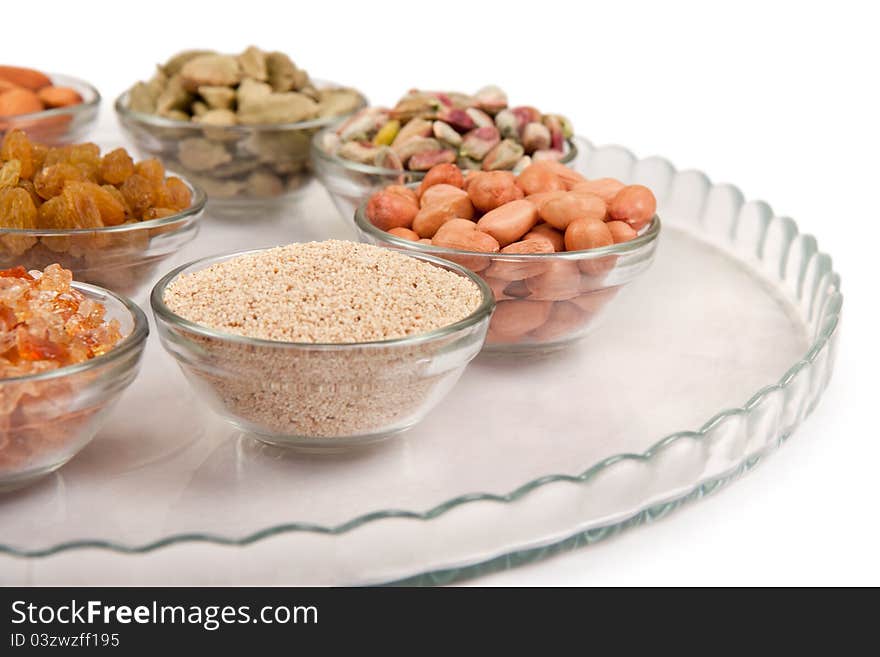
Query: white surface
[704, 86]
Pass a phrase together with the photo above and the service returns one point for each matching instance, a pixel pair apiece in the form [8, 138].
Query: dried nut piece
[515, 270]
[221, 117]
[507, 124]
[536, 179]
[547, 232]
[25, 78]
[621, 231]
[386, 158]
[210, 70]
[480, 118]
[565, 319]
[562, 210]
[142, 98]
[19, 101]
[515, 318]
[359, 126]
[442, 174]
[560, 281]
[468, 163]
[491, 99]
[455, 225]
[173, 97]
[426, 159]
[387, 210]
[288, 107]
[364, 153]
[176, 63]
[521, 165]
[477, 143]
[509, 222]
[446, 133]
[253, 64]
[264, 184]
[547, 155]
[450, 195]
[283, 73]
[491, 189]
[569, 177]
[387, 133]
[199, 154]
[415, 129]
[218, 97]
[503, 157]
[604, 188]
[198, 108]
[337, 102]
[52, 97]
[404, 233]
[535, 137]
[415, 145]
[459, 119]
[584, 234]
[473, 240]
[634, 204]
[429, 219]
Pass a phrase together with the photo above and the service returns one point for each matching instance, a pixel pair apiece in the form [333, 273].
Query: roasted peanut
[497, 286]
[405, 233]
[517, 317]
[561, 280]
[569, 177]
[546, 231]
[26, 78]
[509, 222]
[604, 188]
[536, 179]
[634, 204]
[621, 231]
[583, 234]
[514, 270]
[593, 302]
[404, 192]
[565, 320]
[541, 198]
[491, 189]
[442, 174]
[453, 225]
[19, 101]
[561, 211]
[429, 219]
[449, 195]
[473, 240]
[387, 210]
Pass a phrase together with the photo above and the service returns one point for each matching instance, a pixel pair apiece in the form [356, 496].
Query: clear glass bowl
[545, 301]
[243, 168]
[62, 125]
[321, 395]
[46, 418]
[351, 183]
[121, 258]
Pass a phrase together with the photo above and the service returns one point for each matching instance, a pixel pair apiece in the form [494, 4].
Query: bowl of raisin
[108, 219]
[69, 351]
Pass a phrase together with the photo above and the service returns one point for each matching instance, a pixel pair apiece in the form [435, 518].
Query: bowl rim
[86, 105]
[163, 312]
[134, 340]
[648, 235]
[156, 121]
[319, 152]
[197, 205]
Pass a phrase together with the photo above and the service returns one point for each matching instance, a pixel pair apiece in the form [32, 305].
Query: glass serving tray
[703, 366]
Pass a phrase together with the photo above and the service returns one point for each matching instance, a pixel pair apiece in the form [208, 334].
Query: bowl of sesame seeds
[322, 344]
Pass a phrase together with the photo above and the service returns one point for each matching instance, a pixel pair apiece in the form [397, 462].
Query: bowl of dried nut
[554, 247]
[69, 350]
[323, 344]
[51, 108]
[239, 126]
[105, 217]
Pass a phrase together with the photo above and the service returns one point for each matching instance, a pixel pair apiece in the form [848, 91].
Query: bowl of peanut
[554, 247]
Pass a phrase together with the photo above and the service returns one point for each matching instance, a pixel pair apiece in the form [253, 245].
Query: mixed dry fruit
[243, 139]
[500, 222]
[45, 324]
[473, 131]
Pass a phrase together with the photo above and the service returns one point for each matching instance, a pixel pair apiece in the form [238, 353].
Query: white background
[778, 98]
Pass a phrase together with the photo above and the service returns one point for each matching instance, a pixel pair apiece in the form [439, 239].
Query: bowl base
[22, 479]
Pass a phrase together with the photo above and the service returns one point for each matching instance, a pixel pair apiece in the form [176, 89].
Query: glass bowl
[351, 183]
[46, 418]
[121, 258]
[321, 395]
[62, 125]
[545, 301]
[242, 168]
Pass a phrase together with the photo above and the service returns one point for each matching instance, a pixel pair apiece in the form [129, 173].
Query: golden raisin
[17, 146]
[111, 210]
[116, 167]
[115, 193]
[17, 209]
[30, 188]
[138, 193]
[80, 209]
[177, 194]
[10, 172]
[50, 215]
[152, 170]
[51, 180]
